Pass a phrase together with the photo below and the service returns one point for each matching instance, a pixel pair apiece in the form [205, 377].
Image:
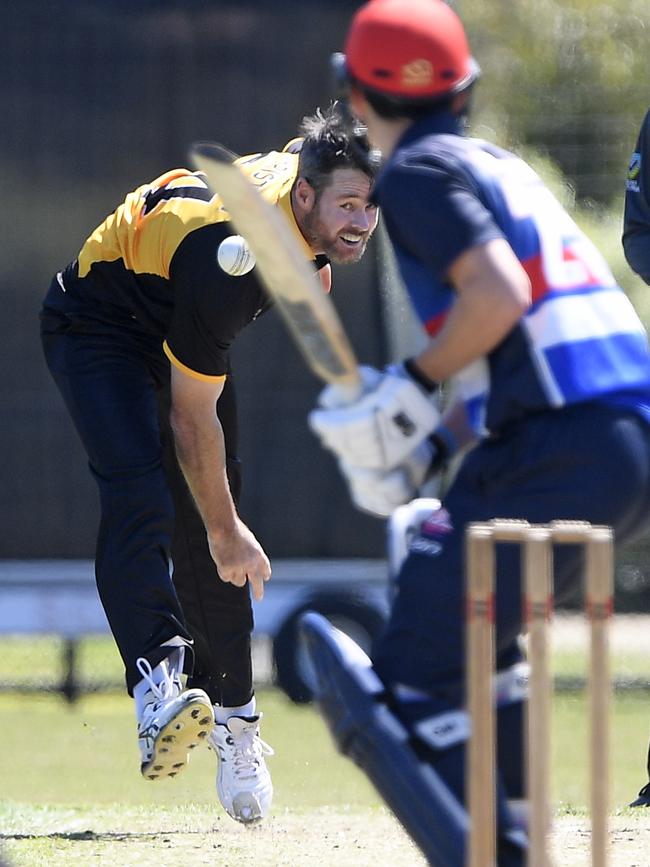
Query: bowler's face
[342, 219]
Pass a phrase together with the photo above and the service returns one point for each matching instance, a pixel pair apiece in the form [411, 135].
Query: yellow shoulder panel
[274, 175]
[147, 228]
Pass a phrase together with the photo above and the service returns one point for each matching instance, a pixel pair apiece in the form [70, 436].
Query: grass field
[72, 794]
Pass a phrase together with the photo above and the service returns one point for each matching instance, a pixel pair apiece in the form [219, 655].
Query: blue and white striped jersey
[581, 340]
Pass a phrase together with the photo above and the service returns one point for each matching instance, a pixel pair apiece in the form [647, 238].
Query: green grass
[86, 754]
[72, 793]
[570, 741]
[38, 660]
[27, 659]
[632, 664]
[63, 765]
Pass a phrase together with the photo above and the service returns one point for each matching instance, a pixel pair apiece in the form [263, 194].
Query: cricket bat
[288, 277]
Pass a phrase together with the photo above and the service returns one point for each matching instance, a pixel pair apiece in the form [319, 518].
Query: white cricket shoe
[243, 782]
[173, 722]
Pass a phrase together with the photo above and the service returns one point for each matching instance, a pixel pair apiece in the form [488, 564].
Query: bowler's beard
[333, 246]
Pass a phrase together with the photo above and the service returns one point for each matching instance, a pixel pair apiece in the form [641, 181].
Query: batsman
[137, 333]
[548, 371]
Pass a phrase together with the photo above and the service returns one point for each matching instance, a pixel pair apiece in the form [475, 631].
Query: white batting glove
[335, 397]
[379, 493]
[383, 427]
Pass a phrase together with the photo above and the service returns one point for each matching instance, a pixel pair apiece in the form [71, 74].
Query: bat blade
[288, 277]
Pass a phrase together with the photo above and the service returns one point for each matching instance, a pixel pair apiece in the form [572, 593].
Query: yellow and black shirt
[152, 267]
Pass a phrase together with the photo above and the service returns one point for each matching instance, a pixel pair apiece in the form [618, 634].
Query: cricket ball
[235, 257]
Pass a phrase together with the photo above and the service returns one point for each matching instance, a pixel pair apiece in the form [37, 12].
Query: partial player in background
[636, 226]
[137, 334]
[550, 370]
[636, 244]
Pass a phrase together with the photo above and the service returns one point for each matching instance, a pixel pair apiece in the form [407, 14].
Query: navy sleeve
[636, 220]
[433, 213]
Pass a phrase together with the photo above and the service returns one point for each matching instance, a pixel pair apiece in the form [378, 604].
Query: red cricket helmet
[415, 50]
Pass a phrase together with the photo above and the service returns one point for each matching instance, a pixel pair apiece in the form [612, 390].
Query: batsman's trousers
[116, 386]
[589, 462]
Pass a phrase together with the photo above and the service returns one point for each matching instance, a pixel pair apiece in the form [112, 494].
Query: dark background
[99, 96]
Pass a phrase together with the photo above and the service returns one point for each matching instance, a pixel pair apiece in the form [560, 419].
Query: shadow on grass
[98, 836]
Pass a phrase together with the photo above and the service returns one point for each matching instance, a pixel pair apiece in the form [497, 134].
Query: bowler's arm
[201, 453]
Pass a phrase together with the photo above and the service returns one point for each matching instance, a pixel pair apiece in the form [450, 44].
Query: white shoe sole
[175, 741]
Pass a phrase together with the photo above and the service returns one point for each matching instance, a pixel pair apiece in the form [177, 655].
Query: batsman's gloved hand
[378, 492]
[335, 397]
[379, 430]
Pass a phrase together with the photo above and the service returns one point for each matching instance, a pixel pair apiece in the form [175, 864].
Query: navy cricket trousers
[115, 384]
[590, 462]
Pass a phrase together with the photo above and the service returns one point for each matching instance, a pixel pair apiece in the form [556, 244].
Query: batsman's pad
[349, 695]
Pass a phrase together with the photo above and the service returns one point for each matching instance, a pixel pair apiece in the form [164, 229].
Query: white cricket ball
[235, 256]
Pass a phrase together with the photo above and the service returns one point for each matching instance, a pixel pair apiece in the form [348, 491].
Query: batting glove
[335, 397]
[383, 427]
[379, 493]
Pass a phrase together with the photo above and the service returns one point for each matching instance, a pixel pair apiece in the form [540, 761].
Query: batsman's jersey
[152, 266]
[636, 223]
[580, 340]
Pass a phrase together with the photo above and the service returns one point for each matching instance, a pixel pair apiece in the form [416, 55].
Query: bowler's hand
[239, 558]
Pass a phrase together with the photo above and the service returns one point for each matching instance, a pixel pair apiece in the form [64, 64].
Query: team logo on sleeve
[433, 530]
[633, 172]
[437, 524]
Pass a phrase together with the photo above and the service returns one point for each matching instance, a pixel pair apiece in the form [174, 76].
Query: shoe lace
[162, 690]
[248, 752]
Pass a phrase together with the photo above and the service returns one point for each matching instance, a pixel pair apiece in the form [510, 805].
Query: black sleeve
[210, 307]
[636, 220]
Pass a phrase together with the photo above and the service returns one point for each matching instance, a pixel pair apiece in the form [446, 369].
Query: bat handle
[344, 393]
